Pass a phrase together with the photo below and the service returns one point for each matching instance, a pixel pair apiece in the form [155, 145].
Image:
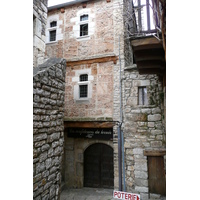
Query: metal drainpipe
[120, 135]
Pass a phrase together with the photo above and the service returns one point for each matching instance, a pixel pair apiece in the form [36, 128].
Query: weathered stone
[53, 137]
[156, 132]
[39, 137]
[138, 151]
[48, 163]
[45, 147]
[141, 189]
[156, 143]
[43, 156]
[52, 192]
[151, 124]
[40, 167]
[155, 117]
[141, 174]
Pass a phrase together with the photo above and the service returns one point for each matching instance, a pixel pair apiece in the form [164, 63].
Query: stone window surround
[59, 35]
[77, 81]
[143, 83]
[52, 29]
[78, 22]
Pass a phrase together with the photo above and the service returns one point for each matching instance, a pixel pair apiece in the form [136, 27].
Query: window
[83, 17]
[52, 31]
[53, 24]
[143, 10]
[142, 95]
[83, 87]
[52, 35]
[84, 25]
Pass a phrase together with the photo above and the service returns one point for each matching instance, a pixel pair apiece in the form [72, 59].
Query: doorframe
[108, 143]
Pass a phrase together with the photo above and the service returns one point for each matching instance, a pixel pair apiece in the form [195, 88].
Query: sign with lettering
[94, 133]
[125, 195]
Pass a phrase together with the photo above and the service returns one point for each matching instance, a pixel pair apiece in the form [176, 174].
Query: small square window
[84, 77]
[52, 35]
[53, 24]
[83, 91]
[142, 95]
[83, 17]
[83, 29]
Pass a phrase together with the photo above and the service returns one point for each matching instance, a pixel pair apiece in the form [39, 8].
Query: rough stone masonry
[48, 128]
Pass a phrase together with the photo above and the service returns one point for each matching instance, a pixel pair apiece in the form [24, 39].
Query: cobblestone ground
[87, 194]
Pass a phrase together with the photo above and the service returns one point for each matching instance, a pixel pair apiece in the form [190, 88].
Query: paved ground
[87, 194]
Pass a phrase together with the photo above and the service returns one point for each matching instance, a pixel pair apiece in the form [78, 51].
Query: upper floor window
[83, 17]
[142, 95]
[83, 86]
[53, 24]
[52, 35]
[52, 31]
[84, 25]
[145, 19]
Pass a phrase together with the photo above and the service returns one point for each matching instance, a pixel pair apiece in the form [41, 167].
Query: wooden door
[157, 181]
[98, 166]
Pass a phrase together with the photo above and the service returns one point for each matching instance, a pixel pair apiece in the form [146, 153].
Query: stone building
[39, 27]
[114, 111]
[86, 34]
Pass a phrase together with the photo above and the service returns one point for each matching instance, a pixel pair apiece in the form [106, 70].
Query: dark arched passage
[98, 166]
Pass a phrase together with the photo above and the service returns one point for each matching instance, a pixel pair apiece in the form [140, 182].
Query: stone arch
[109, 143]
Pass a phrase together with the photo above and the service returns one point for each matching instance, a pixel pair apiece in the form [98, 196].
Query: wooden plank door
[157, 182]
[98, 166]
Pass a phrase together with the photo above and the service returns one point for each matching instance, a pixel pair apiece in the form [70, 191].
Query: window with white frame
[52, 31]
[84, 20]
[142, 95]
[83, 86]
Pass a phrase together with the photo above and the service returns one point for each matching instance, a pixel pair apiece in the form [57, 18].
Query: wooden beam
[150, 64]
[154, 152]
[94, 60]
[77, 124]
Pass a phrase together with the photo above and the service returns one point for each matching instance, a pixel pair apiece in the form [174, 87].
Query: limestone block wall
[48, 128]
[144, 129]
[39, 26]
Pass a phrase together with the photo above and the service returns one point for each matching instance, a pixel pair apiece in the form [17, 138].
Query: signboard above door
[91, 133]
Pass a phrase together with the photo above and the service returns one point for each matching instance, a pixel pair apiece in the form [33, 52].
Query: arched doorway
[98, 166]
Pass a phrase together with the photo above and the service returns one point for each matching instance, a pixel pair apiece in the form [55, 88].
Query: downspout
[120, 134]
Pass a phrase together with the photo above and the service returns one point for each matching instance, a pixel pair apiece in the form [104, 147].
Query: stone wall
[144, 129]
[100, 40]
[39, 27]
[48, 128]
[99, 104]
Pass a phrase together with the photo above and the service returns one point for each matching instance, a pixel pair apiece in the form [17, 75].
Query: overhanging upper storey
[148, 36]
